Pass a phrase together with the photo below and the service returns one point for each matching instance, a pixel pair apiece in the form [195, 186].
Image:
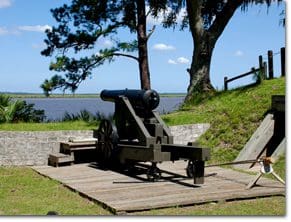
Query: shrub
[86, 116]
[12, 111]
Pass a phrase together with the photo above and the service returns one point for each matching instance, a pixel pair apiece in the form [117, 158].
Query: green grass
[234, 116]
[252, 207]
[52, 126]
[24, 192]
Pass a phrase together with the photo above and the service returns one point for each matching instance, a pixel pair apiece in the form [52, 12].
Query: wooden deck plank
[124, 193]
[163, 192]
[183, 199]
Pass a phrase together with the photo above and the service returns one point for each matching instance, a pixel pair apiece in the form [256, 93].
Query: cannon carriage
[138, 134]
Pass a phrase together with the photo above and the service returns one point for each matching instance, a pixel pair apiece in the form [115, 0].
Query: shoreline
[80, 95]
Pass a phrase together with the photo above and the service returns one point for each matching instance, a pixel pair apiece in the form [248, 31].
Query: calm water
[55, 108]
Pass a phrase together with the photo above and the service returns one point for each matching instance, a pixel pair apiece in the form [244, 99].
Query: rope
[265, 160]
[233, 163]
[265, 56]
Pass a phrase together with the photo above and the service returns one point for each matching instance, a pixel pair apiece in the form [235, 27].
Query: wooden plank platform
[121, 193]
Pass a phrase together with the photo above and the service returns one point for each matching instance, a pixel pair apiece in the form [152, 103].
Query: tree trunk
[200, 67]
[204, 40]
[142, 46]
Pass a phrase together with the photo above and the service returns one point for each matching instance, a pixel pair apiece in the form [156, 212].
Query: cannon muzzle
[140, 99]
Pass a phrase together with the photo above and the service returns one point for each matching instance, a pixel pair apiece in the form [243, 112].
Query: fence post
[261, 61]
[261, 66]
[225, 84]
[265, 69]
[270, 64]
[283, 61]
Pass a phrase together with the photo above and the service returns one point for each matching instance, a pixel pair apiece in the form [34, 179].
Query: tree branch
[125, 55]
[151, 32]
[224, 17]
[195, 18]
[148, 13]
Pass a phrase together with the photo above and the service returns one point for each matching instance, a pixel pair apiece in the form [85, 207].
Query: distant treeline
[85, 95]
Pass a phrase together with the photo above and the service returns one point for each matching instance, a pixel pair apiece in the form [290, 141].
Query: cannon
[138, 134]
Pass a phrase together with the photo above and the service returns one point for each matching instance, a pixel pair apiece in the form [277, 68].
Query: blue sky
[22, 68]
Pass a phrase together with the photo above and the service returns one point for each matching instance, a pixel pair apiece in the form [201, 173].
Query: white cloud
[180, 60]
[183, 60]
[238, 53]
[5, 3]
[163, 47]
[171, 61]
[3, 31]
[34, 28]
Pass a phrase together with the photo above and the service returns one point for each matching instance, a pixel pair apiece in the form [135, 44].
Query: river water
[55, 108]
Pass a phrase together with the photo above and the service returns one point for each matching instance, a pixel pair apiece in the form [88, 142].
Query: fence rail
[266, 68]
[226, 80]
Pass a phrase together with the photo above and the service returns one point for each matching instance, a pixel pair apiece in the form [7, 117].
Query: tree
[206, 20]
[55, 82]
[82, 24]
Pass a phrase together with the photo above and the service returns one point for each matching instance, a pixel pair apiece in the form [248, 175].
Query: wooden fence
[266, 68]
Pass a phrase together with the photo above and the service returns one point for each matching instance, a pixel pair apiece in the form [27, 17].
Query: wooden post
[283, 61]
[261, 61]
[261, 66]
[265, 70]
[225, 84]
[270, 64]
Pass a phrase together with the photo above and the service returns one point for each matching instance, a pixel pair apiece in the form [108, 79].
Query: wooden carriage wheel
[107, 141]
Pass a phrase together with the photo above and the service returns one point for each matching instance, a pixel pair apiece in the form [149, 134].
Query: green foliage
[233, 115]
[85, 116]
[18, 111]
[259, 76]
[49, 85]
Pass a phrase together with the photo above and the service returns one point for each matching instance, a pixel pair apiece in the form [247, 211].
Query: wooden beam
[253, 70]
[257, 142]
[270, 64]
[283, 70]
[278, 103]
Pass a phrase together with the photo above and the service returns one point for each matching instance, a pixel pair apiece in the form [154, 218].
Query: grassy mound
[234, 116]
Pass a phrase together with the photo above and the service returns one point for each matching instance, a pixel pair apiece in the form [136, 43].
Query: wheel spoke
[107, 138]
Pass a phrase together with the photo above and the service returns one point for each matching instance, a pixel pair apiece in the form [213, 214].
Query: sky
[248, 35]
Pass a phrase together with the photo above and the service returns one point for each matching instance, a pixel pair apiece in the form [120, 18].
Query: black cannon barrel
[142, 99]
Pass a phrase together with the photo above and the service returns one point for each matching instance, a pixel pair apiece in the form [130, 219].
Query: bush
[85, 116]
[12, 111]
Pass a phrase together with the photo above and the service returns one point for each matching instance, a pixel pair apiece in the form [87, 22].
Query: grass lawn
[234, 115]
[24, 192]
[252, 207]
[52, 126]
